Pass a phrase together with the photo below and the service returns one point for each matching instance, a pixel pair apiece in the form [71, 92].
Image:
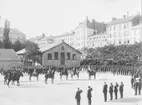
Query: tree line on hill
[121, 55]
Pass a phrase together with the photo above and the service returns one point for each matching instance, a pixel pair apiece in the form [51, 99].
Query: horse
[50, 74]
[33, 72]
[64, 71]
[74, 72]
[13, 76]
[92, 73]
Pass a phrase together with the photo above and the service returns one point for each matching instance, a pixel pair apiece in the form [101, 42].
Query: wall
[68, 63]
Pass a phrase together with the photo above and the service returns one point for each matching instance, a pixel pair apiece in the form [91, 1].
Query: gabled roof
[53, 45]
[8, 55]
[48, 47]
[121, 20]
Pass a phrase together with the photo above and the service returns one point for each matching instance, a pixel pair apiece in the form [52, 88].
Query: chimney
[127, 14]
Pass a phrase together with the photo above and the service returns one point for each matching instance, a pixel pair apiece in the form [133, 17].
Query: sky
[34, 17]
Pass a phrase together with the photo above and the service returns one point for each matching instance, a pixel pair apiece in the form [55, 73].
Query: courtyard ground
[62, 92]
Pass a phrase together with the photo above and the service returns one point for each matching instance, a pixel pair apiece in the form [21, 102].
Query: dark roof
[97, 26]
[121, 20]
[53, 45]
[47, 47]
[8, 55]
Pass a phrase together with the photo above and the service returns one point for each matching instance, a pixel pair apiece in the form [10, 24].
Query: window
[68, 56]
[128, 41]
[74, 57]
[55, 55]
[49, 56]
[114, 28]
[62, 47]
[119, 42]
[124, 26]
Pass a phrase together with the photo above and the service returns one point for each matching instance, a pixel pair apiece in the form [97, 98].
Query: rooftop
[121, 20]
[63, 35]
[8, 54]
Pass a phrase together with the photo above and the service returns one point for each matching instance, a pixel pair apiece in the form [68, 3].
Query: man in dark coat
[77, 96]
[132, 82]
[116, 90]
[89, 95]
[111, 91]
[105, 91]
[121, 89]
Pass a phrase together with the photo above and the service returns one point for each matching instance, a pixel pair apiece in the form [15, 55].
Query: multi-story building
[79, 37]
[119, 31]
[137, 32]
[14, 35]
[97, 40]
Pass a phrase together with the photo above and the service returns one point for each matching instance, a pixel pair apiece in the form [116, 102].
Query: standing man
[116, 90]
[105, 91]
[111, 91]
[121, 89]
[89, 95]
[77, 96]
[132, 82]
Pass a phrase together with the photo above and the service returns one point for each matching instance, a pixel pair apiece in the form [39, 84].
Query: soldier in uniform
[89, 95]
[132, 82]
[78, 96]
[121, 89]
[111, 91]
[140, 86]
[116, 90]
[105, 91]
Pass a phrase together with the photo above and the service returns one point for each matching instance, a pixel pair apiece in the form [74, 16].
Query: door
[62, 58]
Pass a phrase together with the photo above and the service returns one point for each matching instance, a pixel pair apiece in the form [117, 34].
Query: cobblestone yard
[62, 92]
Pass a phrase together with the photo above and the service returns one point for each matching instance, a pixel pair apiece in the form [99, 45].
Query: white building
[137, 33]
[79, 37]
[98, 40]
[119, 31]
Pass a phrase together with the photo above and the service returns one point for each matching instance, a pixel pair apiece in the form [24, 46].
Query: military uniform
[121, 90]
[89, 95]
[111, 91]
[105, 92]
[77, 96]
[116, 90]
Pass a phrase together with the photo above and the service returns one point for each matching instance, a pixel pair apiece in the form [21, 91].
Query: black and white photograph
[70, 52]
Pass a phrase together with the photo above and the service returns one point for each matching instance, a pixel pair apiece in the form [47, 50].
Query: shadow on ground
[127, 100]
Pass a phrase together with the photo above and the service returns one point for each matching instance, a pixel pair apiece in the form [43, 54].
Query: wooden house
[61, 55]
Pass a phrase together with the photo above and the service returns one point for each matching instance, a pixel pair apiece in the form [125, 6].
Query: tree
[17, 46]
[6, 41]
[32, 52]
[1, 44]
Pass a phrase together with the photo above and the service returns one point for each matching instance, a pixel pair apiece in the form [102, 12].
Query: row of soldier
[105, 90]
